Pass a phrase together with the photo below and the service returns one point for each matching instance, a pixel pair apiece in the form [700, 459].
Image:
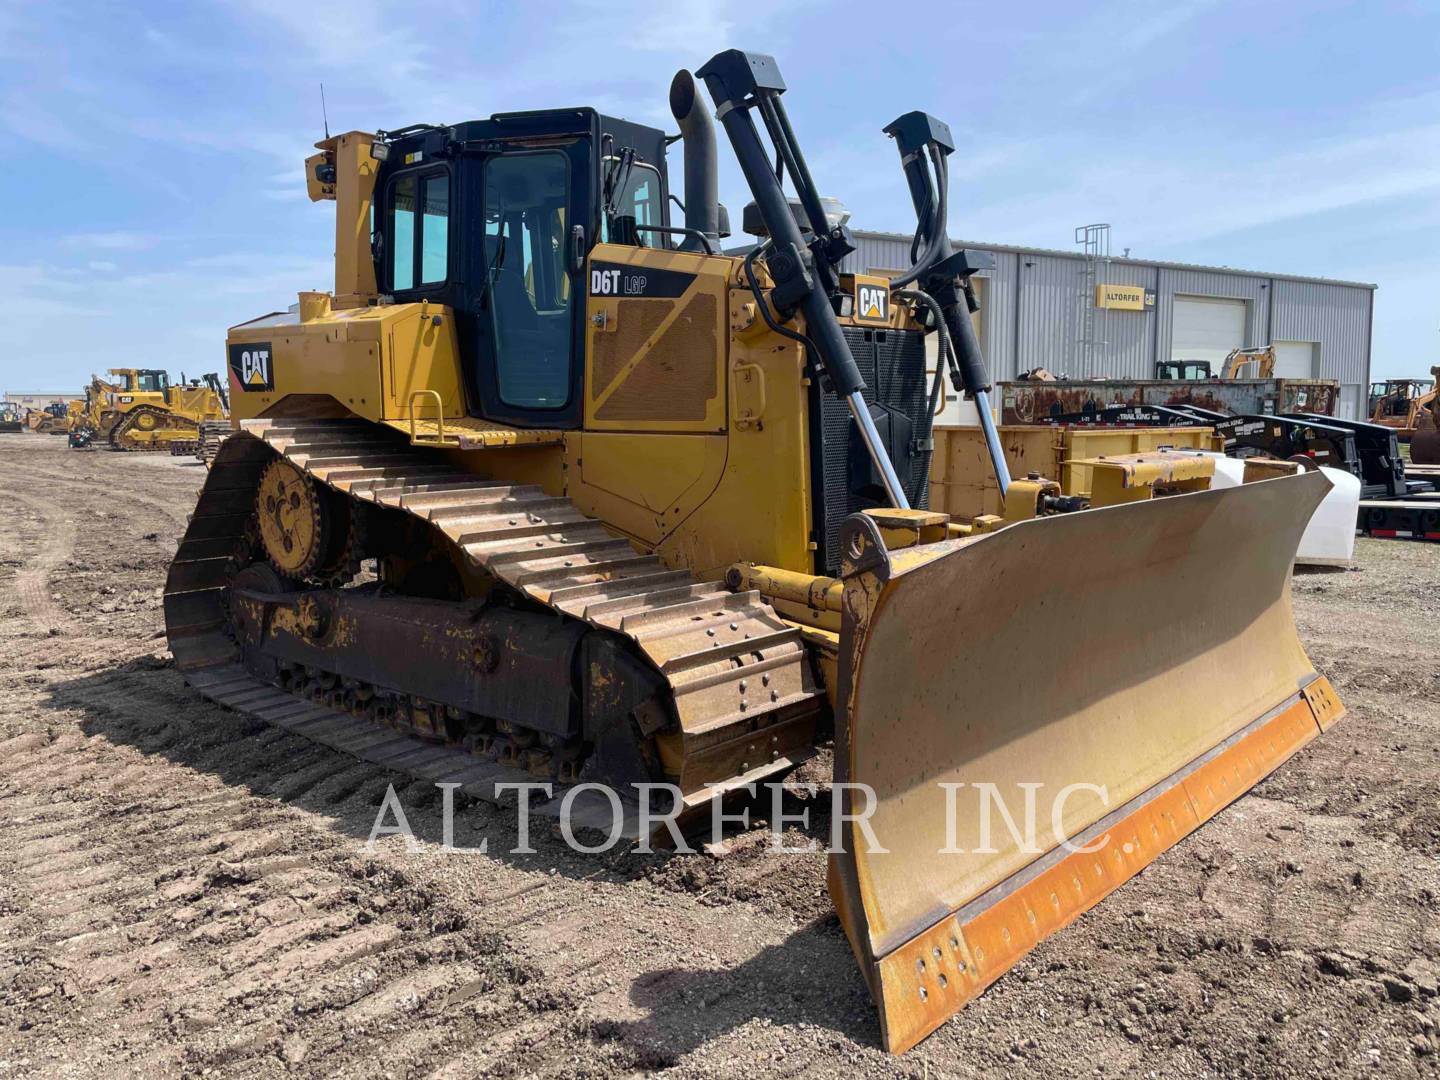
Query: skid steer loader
[633, 511]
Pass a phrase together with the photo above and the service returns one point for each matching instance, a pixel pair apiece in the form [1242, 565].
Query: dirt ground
[183, 891]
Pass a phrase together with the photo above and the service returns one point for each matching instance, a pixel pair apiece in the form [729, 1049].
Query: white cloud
[1135, 27]
[118, 240]
[679, 28]
[22, 116]
[369, 36]
[100, 308]
[1166, 192]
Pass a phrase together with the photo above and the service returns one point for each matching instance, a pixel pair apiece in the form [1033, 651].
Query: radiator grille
[675, 380]
[892, 363]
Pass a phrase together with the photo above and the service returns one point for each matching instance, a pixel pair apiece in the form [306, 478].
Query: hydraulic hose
[935, 241]
[944, 358]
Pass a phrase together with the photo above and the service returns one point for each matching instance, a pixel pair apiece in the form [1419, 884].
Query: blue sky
[154, 192]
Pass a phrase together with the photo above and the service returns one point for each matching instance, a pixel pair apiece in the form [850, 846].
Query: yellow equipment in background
[963, 483]
[94, 411]
[57, 419]
[1256, 363]
[142, 410]
[1425, 442]
[1402, 404]
[11, 418]
[639, 512]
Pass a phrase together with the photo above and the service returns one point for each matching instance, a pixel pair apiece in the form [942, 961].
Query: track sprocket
[293, 524]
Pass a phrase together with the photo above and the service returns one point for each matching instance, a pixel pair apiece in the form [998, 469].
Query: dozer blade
[1146, 652]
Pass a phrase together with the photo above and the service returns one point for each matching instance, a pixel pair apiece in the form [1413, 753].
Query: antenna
[323, 115]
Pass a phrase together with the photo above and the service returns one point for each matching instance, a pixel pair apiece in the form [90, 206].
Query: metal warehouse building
[1042, 308]
[38, 399]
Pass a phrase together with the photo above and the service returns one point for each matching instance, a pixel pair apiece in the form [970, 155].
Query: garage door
[1295, 359]
[1206, 328]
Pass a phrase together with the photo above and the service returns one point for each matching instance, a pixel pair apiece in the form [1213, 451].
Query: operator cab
[540, 188]
[1182, 369]
[1397, 394]
[144, 380]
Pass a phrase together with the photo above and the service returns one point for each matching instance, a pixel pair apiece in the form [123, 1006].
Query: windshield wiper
[494, 267]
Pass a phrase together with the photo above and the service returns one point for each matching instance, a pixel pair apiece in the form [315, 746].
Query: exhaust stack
[702, 184]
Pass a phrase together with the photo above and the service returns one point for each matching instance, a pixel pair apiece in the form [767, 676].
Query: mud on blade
[1147, 651]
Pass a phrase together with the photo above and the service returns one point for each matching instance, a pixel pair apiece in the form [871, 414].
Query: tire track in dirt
[201, 886]
[159, 506]
[238, 938]
[51, 549]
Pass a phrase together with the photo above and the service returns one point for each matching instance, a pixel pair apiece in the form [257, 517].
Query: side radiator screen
[892, 363]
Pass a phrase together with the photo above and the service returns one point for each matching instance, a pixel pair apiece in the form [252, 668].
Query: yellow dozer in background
[550, 488]
[57, 419]
[143, 410]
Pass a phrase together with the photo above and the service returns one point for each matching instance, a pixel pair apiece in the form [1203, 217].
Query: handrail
[439, 416]
[679, 230]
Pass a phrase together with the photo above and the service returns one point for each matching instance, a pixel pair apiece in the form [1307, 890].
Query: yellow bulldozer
[142, 410]
[632, 511]
[56, 418]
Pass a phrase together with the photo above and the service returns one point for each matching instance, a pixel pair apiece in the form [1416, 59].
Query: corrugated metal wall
[1254, 291]
[1033, 312]
[1336, 316]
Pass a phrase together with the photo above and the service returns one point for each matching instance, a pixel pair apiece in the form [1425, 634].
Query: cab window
[528, 288]
[434, 228]
[418, 224]
[641, 200]
[151, 382]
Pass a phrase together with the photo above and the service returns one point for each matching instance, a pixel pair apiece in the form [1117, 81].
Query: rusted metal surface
[1425, 448]
[1031, 402]
[488, 660]
[1141, 699]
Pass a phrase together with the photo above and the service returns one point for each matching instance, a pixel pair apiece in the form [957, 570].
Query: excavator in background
[143, 410]
[12, 417]
[1253, 363]
[1256, 363]
[633, 511]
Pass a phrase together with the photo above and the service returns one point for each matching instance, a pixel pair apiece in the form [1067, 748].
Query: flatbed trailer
[1413, 517]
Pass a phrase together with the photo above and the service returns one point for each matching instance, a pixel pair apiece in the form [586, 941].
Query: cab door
[529, 309]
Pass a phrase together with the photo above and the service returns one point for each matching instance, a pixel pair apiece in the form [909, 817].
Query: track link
[746, 700]
[165, 421]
